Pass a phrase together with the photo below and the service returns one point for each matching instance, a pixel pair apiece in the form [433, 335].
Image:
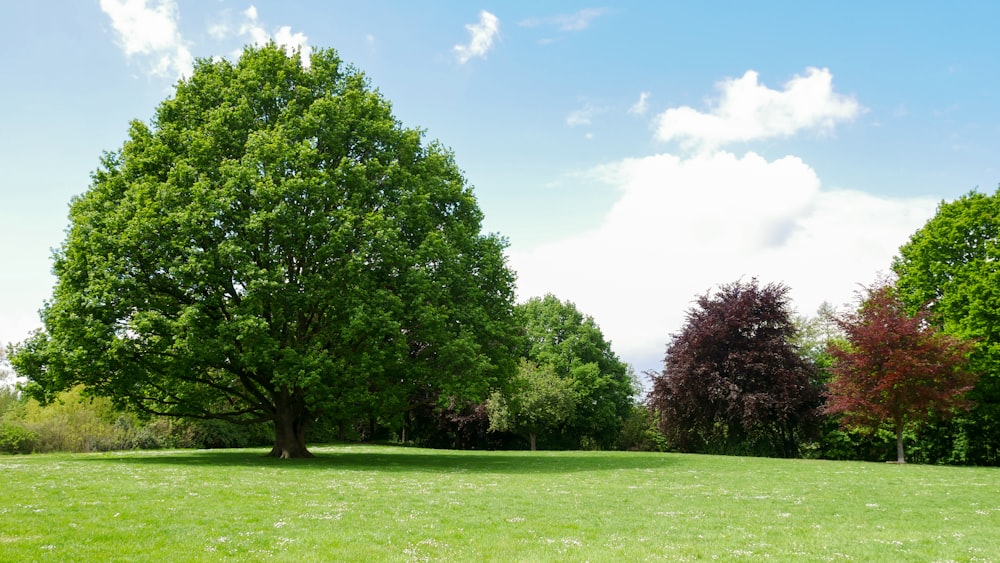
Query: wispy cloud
[748, 110]
[481, 38]
[641, 105]
[578, 21]
[581, 116]
[150, 32]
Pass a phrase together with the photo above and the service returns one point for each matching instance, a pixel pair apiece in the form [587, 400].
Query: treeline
[912, 369]
[276, 250]
[598, 406]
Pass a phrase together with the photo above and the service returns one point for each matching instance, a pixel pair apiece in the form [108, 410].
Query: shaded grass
[398, 504]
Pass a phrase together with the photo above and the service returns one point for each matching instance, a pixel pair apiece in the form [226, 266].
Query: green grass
[356, 503]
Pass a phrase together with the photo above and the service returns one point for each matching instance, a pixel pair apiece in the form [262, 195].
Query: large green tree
[952, 265]
[276, 246]
[559, 335]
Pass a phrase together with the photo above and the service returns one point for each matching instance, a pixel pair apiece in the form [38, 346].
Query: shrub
[16, 439]
[640, 433]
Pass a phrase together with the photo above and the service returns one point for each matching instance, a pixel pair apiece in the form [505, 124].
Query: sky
[636, 155]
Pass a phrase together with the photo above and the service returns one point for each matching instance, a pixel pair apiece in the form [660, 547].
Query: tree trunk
[290, 423]
[900, 458]
[531, 438]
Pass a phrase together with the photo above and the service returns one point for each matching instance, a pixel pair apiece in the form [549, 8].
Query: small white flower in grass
[280, 524]
[784, 514]
[872, 505]
[515, 520]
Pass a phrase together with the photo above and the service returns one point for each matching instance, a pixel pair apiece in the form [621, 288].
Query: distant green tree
[539, 401]
[8, 391]
[560, 336]
[813, 333]
[952, 266]
[276, 247]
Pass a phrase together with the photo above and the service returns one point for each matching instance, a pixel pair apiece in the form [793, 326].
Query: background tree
[952, 264]
[895, 368]
[275, 246]
[540, 400]
[560, 336]
[732, 381]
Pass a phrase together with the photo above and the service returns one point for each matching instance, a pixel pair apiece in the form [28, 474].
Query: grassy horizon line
[385, 503]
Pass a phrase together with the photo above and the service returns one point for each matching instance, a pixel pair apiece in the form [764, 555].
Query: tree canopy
[275, 246]
[895, 368]
[732, 380]
[539, 400]
[952, 266]
[560, 336]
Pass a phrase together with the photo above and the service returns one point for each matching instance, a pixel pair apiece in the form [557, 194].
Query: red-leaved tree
[733, 382]
[895, 368]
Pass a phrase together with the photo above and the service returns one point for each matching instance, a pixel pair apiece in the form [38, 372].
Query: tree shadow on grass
[403, 459]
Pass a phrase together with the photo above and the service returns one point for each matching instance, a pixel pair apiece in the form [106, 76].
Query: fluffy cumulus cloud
[747, 110]
[150, 32]
[682, 225]
[252, 28]
[481, 38]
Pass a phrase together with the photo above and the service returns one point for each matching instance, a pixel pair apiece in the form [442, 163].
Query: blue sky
[636, 155]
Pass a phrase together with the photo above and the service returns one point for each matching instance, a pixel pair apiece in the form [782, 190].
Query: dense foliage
[539, 400]
[732, 381]
[276, 247]
[952, 265]
[895, 368]
[571, 343]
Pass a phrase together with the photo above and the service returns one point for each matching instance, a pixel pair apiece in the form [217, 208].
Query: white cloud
[292, 42]
[251, 27]
[151, 32]
[684, 225]
[578, 21]
[580, 117]
[748, 110]
[219, 31]
[641, 105]
[481, 40]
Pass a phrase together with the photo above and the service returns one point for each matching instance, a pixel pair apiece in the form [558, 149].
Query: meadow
[384, 503]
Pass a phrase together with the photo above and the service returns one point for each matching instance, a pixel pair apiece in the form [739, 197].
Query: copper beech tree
[733, 382]
[895, 368]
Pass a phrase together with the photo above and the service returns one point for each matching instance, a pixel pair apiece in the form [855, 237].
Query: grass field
[364, 503]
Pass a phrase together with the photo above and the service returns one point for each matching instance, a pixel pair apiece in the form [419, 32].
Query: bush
[72, 423]
[640, 433]
[218, 434]
[16, 439]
